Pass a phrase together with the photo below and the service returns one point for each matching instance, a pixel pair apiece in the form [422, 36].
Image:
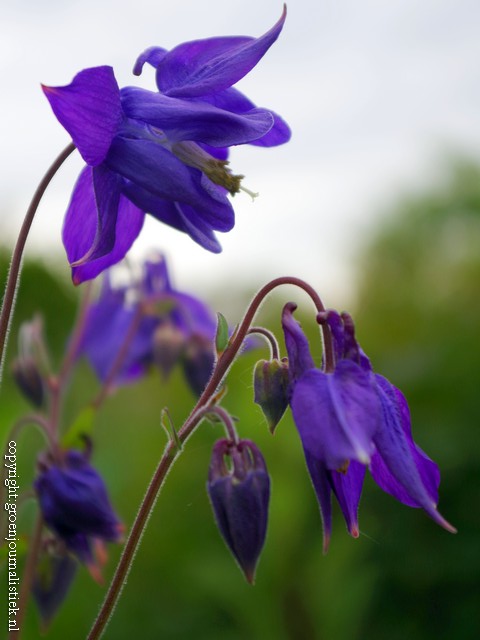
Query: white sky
[372, 90]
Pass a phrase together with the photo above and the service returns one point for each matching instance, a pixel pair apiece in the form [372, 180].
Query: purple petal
[192, 316]
[401, 474]
[199, 121]
[179, 216]
[156, 170]
[197, 229]
[348, 489]
[152, 55]
[107, 324]
[106, 189]
[233, 100]
[165, 211]
[81, 225]
[207, 66]
[320, 481]
[299, 356]
[156, 279]
[89, 109]
[335, 323]
[336, 414]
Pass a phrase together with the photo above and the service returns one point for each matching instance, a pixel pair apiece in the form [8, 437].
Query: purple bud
[53, 578]
[270, 383]
[198, 363]
[168, 345]
[239, 490]
[29, 380]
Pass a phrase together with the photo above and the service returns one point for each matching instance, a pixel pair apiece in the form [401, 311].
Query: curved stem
[270, 338]
[15, 265]
[225, 417]
[172, 450]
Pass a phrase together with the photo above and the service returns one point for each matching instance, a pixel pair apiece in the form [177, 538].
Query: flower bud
[239, 490]
[270, 383]
[198, 363]
[53, 578]
[29, 380]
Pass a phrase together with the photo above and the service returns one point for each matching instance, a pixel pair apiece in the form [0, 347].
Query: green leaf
[82, 426]
[221, 339]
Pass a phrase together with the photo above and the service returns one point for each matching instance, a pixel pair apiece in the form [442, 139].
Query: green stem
[172, 450]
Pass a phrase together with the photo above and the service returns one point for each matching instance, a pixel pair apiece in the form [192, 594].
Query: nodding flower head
[160, 152]
[350, 418]
[239, 490]
[75, 506]
[168, 327]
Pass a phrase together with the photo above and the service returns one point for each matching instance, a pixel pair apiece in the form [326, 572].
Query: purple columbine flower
[171, 327]
[349, 419]
[164, 152]
[239, 492]
[75, 506]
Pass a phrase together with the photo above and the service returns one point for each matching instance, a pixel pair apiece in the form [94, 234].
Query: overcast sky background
[375, 93]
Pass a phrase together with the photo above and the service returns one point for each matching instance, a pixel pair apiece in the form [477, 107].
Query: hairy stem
[270, 338]
[172, 450]
[16, 263]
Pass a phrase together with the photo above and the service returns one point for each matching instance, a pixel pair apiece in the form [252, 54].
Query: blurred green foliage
[418, 318]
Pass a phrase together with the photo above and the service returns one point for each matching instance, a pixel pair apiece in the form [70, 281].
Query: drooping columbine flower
[162, 153]
[350, 418]
[75, 506]
[239, 492]
[171, 327]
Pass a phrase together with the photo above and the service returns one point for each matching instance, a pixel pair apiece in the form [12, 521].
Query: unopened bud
[198, 363]
[239, 490]
[270, 383]
[29, 380]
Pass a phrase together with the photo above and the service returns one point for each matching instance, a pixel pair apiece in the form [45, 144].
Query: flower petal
[89, 109]
[233, 100]
[152, 55]
[320, 481]
[107, 324]
[199, 121]
[156, 170]
[198, 229]
[336, 414]
[412, 480]
[207, 66]
[299, 356]
[348, 489]
[81, 225]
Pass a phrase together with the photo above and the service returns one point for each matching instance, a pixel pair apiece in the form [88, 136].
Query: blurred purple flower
[160, 152]
[75, 506]
[172, 327]
[351, 418]
[54, 575]
[239, 493]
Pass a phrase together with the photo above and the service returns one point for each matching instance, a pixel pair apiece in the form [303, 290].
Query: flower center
[216, 170]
